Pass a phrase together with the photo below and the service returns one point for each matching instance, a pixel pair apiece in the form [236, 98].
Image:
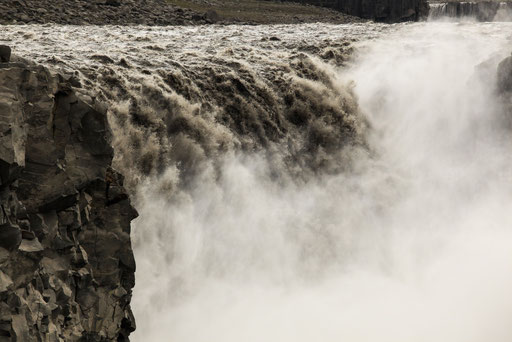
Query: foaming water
[411, 244]
[407, 239]
[182, 97]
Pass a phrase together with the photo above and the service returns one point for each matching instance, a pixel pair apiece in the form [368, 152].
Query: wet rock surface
[66, 264]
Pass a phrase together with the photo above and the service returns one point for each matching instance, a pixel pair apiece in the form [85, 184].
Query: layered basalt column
[66, 263]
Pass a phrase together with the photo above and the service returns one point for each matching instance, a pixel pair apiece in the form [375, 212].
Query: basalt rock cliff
[378, 10]
[66, 264]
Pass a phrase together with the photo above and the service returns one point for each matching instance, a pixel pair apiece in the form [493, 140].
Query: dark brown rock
[62, 248]
[212, 15]
[10, 236]
[378, 10]
[5, 54]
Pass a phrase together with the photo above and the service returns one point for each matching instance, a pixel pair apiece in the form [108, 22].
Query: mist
[411, 243]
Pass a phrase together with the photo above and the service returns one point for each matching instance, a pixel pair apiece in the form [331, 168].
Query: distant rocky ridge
[66, 263]
[378, 10]
[99, 12]
[162, 12]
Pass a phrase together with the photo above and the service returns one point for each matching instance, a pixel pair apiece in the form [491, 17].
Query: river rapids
[306, 182]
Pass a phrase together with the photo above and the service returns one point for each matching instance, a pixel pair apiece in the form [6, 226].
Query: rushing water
[498, 11]
[400, 233]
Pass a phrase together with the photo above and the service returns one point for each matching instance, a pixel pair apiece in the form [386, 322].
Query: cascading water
[313, 182]
[504, 12]
[411, 244]
[471, 10]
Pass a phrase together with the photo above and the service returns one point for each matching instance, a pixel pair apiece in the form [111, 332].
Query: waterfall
[504, 12]
[306, 182]
[414, 235]
[438, 10]
[480, 11]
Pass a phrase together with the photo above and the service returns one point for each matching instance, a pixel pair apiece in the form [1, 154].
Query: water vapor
[410, 244]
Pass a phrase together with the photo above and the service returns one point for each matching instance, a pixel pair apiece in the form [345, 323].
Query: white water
[470, 11]
[414, 244]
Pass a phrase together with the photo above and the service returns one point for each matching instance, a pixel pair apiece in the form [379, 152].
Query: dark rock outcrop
[386, 10]
[505, 75]
[503, 84]
[66, 264]
[378, 10]
[5, 54]
[504, 87]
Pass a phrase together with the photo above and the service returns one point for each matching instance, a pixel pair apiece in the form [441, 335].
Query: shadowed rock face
[385, 10]
[504, 86]
[5, 54]
[157, 12]
[505, 75]
[66, 264]
[378, 10]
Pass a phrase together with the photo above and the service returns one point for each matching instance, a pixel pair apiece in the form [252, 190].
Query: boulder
[10, 236]
[5, 54]
[114, 3]
[212, 16]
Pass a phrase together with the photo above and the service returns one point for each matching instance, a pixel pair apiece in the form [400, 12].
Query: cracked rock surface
[66, 263]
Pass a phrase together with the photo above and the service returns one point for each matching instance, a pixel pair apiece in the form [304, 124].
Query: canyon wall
[66, 263]
[378, 10]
